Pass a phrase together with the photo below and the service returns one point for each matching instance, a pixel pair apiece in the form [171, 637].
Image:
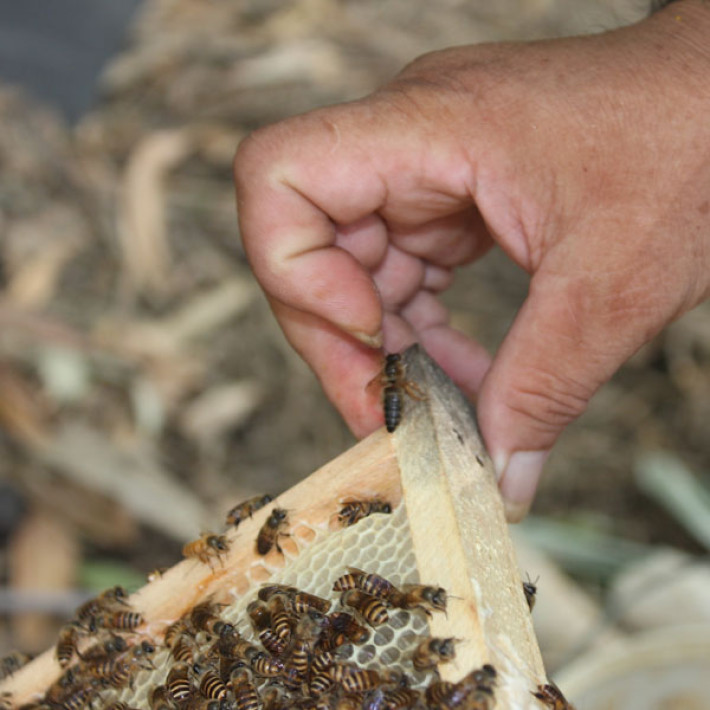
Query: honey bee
[348, 581]
[141, 654]
[323, 660]
[394, 386]
[175, 631]
[350, 701]
[247, 508]
[291, 680]
[266, 666]
[354, 679]
[78, 699]
[197, 702]
[273, 698]
[279, 618]
[246, 696]
[473, 692]
[261, 621]
[298, 602]
[273, 643]
[306, 634]
[430, 652]
[64, 686]
[234, 646]
[418, 596]
[259, 615]
[113, 645]
[67, 642]
[105, 668]
[212, 686]
[355, 510]
[121, 674]
[108, 599]
[268, 591]
[298, 662]
[551, 696]
[205, 617]
[370, 607]
[178, 682]
[118, 620]
[12, 662]
[477, 686]
[484, 677]
[303, 603]
[206, 548]
[161, 699]
[184, 649]
[370, 583]
[270, 532]
[342, 627]
[530, 592]
[320, 682]
[400, 698]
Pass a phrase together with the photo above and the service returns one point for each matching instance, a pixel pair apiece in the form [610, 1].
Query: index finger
[295, 182]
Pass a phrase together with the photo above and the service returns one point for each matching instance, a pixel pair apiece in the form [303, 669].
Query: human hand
[587, 160]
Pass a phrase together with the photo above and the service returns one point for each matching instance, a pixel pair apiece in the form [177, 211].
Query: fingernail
[372, 341]
[518, 481]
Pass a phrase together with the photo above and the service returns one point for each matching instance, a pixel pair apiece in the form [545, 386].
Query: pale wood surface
[459, 531]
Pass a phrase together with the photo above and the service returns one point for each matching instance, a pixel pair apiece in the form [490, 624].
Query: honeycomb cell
[389, 655]
[400, 619]
[408, 639]
[323, 555]
[383, 636]
[366, 653]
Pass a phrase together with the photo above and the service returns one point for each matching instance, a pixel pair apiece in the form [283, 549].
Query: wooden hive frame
[436, 466]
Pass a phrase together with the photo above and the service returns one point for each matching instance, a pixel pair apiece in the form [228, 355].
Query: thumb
[570, 336]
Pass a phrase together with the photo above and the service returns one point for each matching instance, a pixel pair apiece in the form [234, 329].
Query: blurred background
[144, 387]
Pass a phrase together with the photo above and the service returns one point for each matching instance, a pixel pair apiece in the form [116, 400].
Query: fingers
[448, 241]
[343, 365]
[323, 198]
[366, 240]
[464, 360]
[291, 241]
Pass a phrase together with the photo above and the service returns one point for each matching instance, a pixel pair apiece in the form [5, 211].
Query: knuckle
[250, 150]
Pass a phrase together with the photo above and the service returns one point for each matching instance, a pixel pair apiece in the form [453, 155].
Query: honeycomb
[378, 543]
[451, 496]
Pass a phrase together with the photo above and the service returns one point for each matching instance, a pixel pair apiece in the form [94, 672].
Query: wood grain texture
[459, 531]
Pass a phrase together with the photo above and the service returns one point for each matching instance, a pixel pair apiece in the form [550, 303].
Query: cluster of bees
[295, 653]
[112, 653]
